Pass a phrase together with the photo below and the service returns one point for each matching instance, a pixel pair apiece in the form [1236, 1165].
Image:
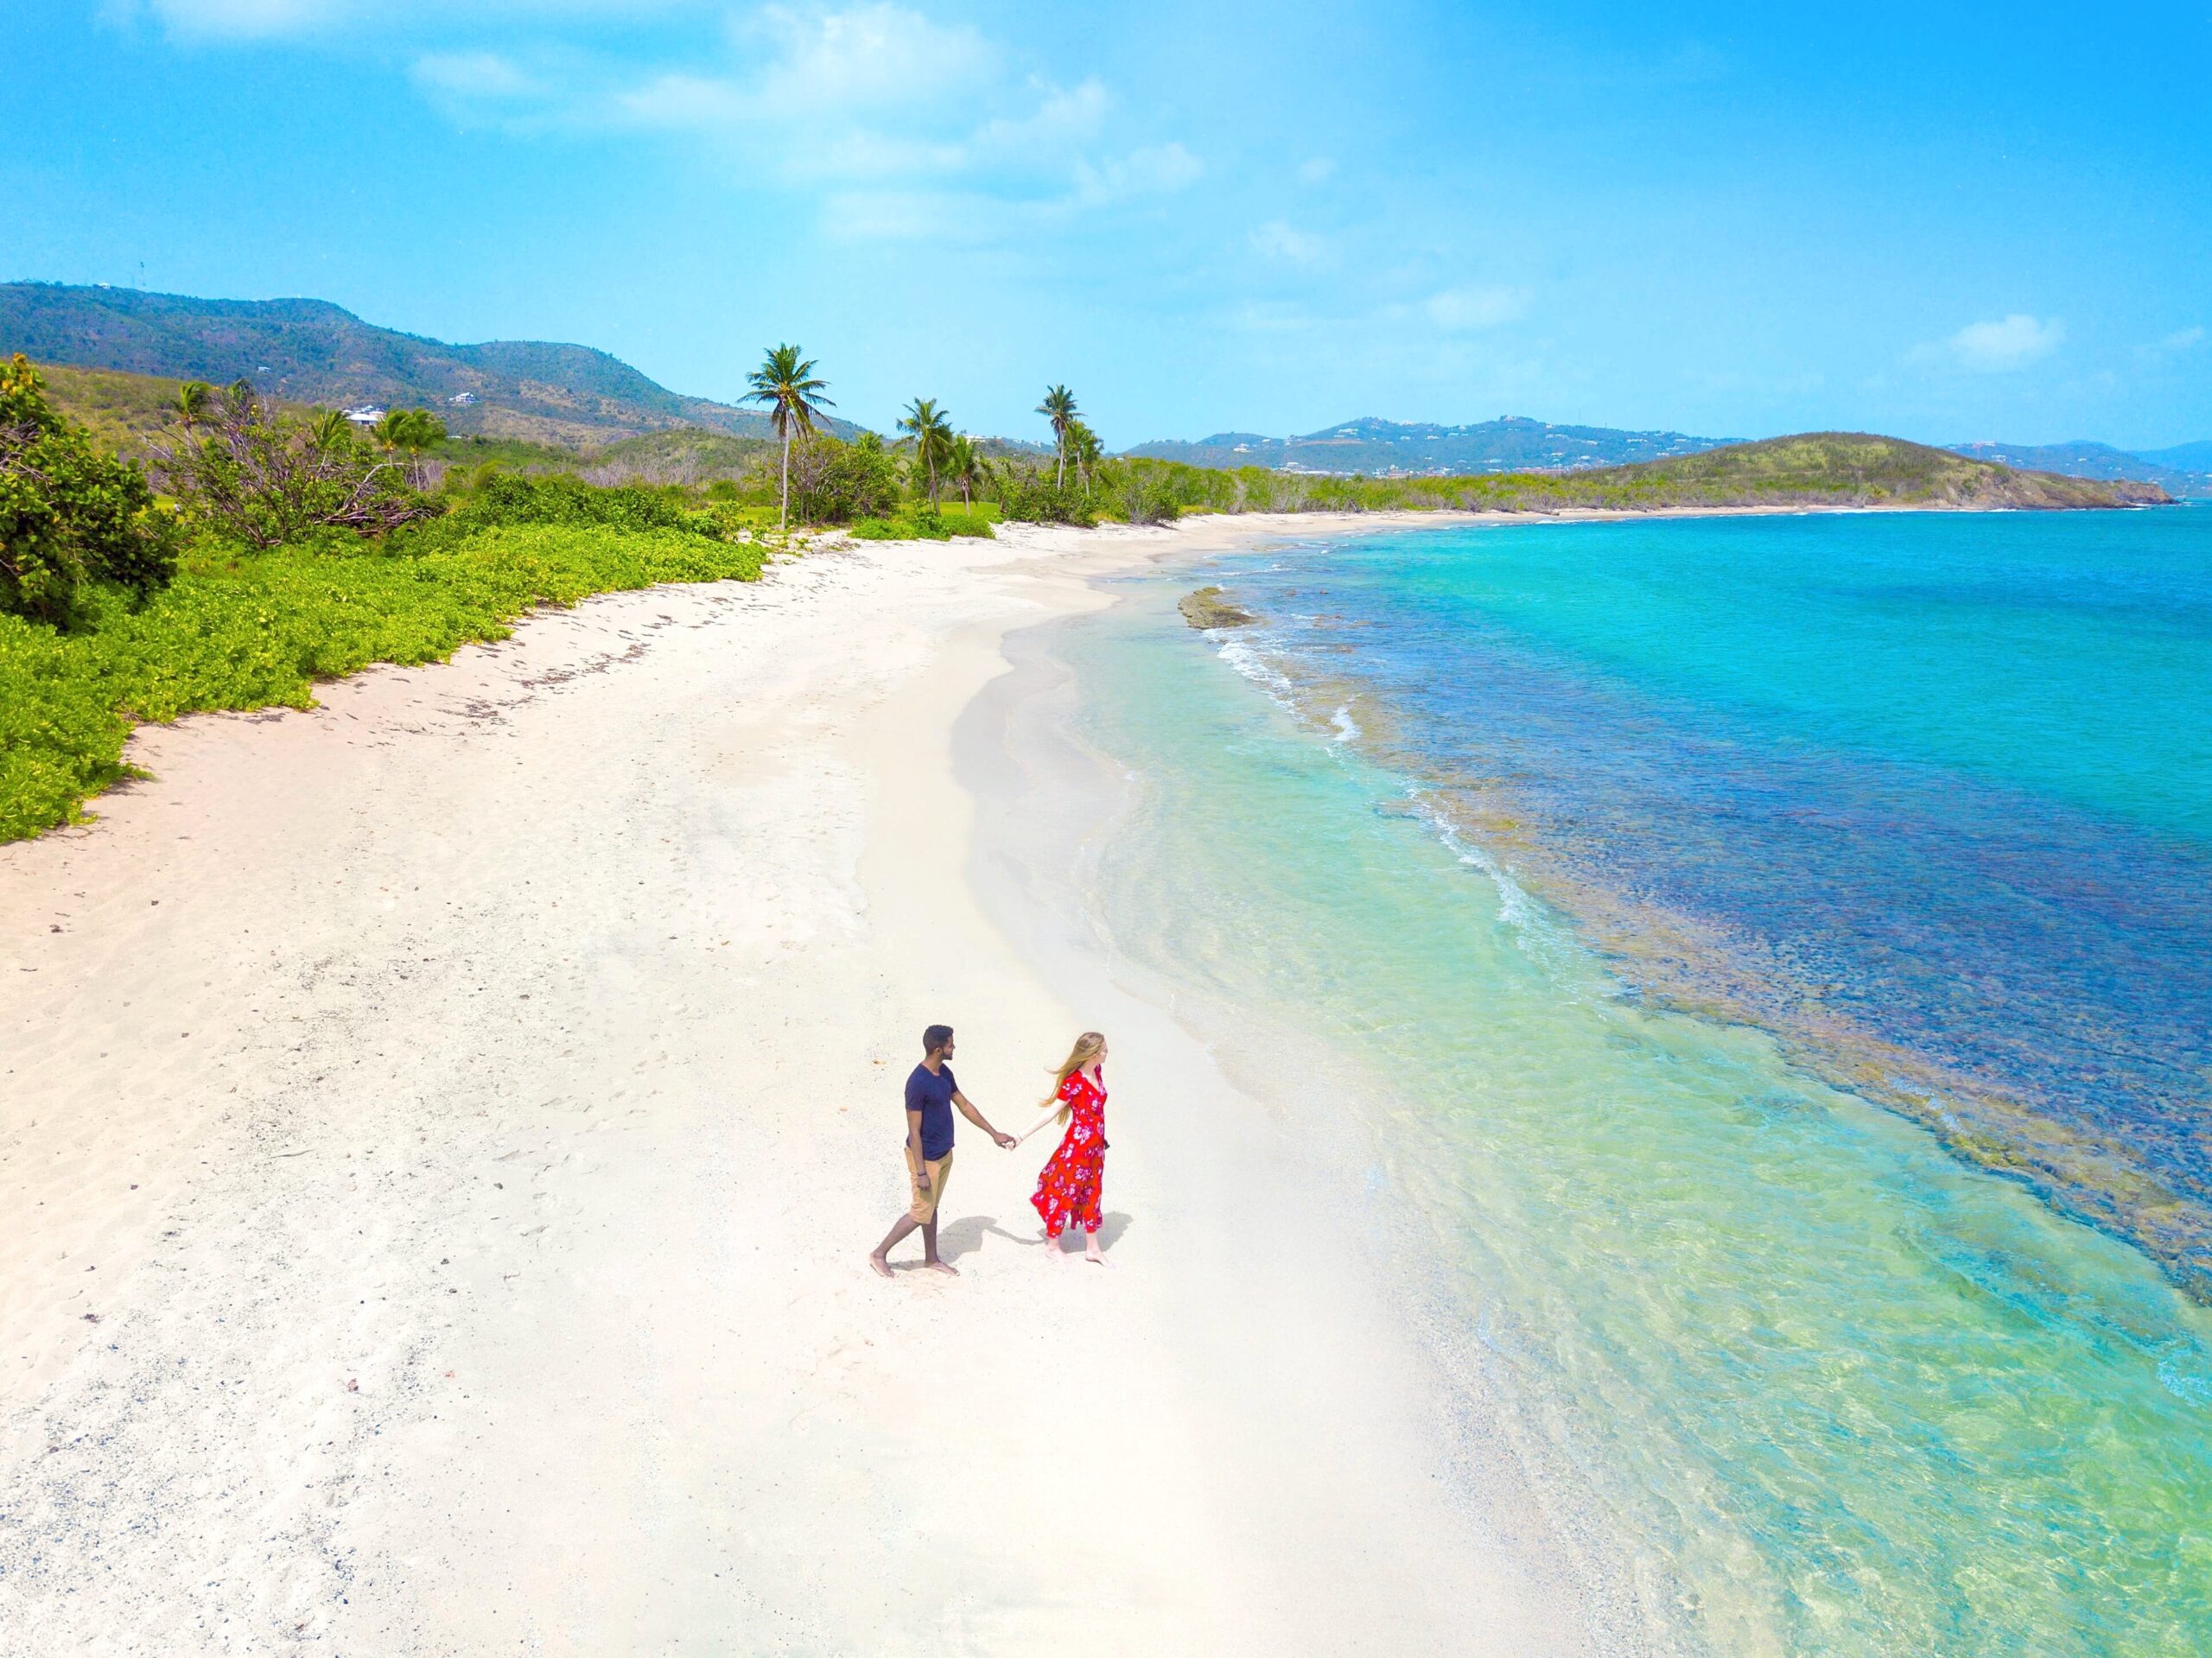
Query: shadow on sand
[956, 1240]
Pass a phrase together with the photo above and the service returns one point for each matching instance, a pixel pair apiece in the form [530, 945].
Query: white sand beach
[443, 1131]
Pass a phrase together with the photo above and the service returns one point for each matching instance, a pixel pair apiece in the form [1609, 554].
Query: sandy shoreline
[448, 1125]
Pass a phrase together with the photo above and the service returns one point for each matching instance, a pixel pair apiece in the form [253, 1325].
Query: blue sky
[1944, 222]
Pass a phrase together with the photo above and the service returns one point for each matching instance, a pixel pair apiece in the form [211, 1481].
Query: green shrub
[262, 629]
[244, 470]
[71, 518]
[843, 483]
[972, 521]
[1031, 496]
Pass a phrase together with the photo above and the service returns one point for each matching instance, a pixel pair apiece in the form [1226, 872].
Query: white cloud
[825, 76]
[879, 95]
[2011, 342]
[895, 120]
[871, 59]
[475, 75]
[1463, 310]
[1317, 171]
[976, 216]
[1156, 170]
[1278, 240]
[2182, 339]
[1060, 120]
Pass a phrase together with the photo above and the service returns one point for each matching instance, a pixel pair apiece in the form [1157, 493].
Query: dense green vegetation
[72, 519]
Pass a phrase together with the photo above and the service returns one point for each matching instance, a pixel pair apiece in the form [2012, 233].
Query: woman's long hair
[1086, 1049]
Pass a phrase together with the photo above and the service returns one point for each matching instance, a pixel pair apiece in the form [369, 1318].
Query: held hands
[1006, 1142]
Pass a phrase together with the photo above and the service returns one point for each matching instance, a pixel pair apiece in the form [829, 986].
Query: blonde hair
[1086, 1049]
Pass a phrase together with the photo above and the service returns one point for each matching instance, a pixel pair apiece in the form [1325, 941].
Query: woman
[1068, 1188]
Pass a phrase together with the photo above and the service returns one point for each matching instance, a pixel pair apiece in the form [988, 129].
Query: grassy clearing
[258, 631]
[917, 522]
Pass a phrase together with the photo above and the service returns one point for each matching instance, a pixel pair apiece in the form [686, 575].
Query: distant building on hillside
[461, 399]
[367, 414]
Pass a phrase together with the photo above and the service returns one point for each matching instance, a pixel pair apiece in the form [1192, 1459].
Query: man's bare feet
[878, 1266]
[944, 1267]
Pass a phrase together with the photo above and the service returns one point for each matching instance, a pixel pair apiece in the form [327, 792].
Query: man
[931, 1096]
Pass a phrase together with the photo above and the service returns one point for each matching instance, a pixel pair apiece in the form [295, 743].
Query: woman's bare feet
[1053, 1250]
[944, 1267]
[1091, 1253]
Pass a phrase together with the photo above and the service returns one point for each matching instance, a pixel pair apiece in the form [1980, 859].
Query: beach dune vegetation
[246, 629]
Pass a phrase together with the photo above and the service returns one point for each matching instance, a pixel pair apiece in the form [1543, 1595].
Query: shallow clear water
[1836, 1390]
[1929, 794]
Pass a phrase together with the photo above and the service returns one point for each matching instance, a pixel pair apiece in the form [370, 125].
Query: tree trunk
[784, 511]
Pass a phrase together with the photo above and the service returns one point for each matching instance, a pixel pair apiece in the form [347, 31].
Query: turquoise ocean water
[1680, 889]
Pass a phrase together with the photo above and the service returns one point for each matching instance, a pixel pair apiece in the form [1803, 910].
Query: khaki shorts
[925, 1206]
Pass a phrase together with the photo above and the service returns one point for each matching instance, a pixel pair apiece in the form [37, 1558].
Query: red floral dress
[1068, 1189]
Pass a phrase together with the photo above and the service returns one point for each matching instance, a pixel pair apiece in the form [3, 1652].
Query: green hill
[1857, 467]
[1811, 469]
[311, 351]
[123, 409]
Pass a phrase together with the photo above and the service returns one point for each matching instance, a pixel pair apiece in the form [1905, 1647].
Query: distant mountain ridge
[1374, 446]
[312, 352]
[2185, 470]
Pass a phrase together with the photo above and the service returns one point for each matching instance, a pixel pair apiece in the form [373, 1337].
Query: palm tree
[411, 431]
[932, 438]
[1086, 450]
[1058, 407]
[785, 381]
[964, 465]
[191, 400]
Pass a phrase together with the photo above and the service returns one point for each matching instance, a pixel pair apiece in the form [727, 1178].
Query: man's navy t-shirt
[931, 1096]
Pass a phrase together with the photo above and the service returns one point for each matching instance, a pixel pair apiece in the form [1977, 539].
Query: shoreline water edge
[498, 1272]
